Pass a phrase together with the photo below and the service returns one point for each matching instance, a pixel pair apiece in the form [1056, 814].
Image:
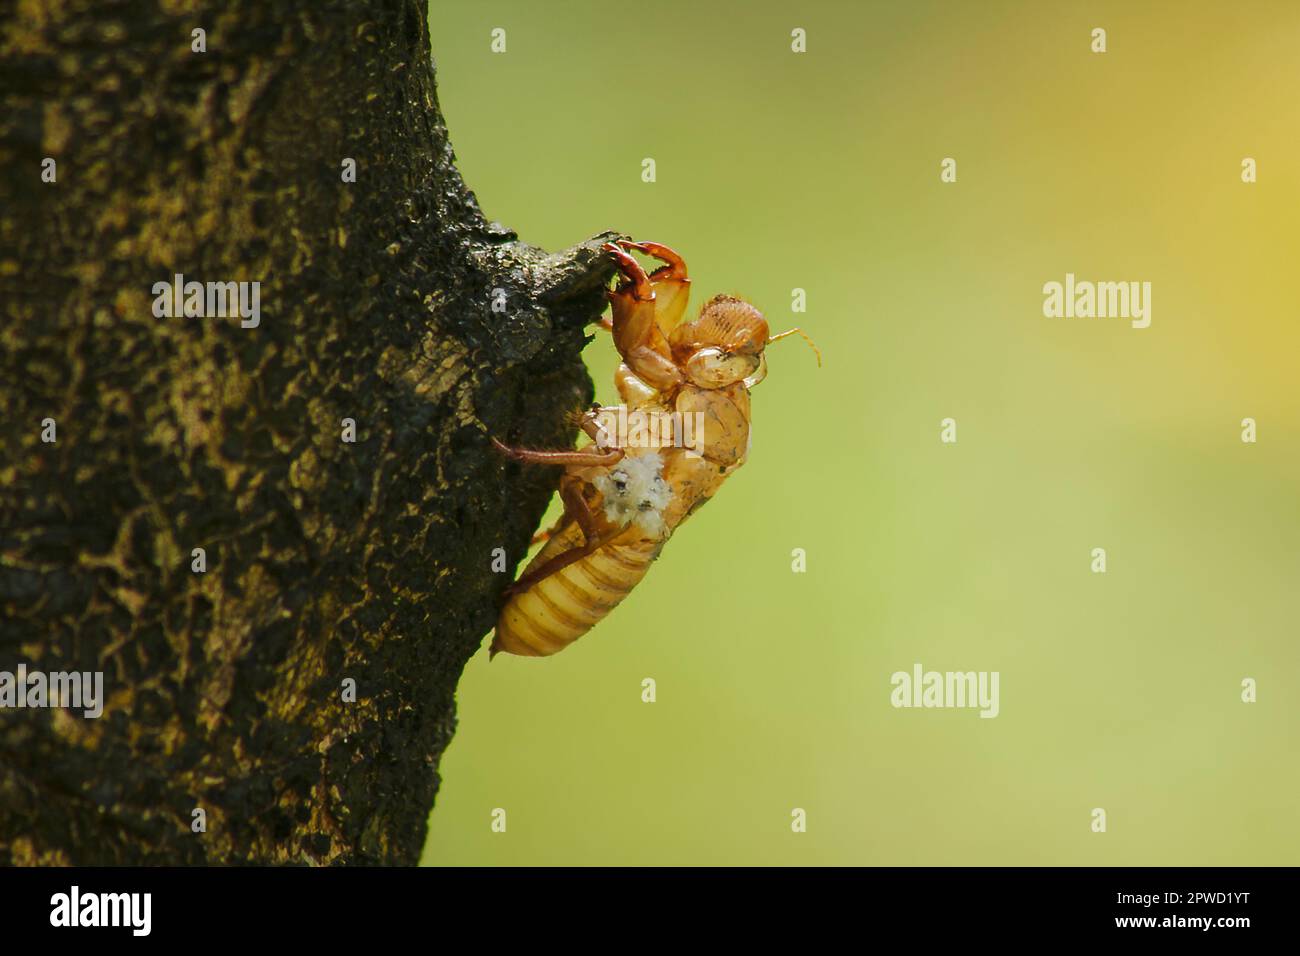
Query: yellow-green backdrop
[820, 171]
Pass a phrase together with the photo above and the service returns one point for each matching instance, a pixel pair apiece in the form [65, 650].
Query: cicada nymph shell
[625, 495]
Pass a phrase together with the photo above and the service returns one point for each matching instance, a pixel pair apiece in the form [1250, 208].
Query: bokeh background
[820, 171]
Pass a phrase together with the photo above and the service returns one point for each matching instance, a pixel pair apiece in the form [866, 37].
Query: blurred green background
[820, 171]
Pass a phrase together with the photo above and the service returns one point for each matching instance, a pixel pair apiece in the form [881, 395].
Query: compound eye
[716, 368]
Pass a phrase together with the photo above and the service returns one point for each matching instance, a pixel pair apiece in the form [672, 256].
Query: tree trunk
[388, 301]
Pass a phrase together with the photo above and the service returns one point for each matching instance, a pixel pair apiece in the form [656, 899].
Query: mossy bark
[326, 559]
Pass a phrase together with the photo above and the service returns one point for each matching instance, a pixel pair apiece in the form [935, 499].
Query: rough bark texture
[326, 560]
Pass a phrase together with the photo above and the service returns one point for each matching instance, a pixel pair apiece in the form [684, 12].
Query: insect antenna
[800, 332]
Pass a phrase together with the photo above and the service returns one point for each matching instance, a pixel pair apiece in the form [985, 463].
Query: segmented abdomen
[560, 608]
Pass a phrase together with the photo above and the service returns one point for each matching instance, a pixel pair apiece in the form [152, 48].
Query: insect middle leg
[586, 457]
[602, 452]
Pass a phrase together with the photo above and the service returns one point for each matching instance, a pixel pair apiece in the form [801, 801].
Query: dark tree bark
[326, 560]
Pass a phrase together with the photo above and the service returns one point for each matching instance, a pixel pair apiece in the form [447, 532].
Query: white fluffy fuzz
[635, 492]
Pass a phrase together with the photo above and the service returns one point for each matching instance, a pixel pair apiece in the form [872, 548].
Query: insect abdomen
[559, 609]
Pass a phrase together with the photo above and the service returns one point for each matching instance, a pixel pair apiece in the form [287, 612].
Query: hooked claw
[635, 281]
[674, 265]
[669, 285]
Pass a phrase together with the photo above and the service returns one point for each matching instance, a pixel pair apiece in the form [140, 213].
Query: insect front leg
[672, 286]
[637, 335]
[669, 283]
[632, 303]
